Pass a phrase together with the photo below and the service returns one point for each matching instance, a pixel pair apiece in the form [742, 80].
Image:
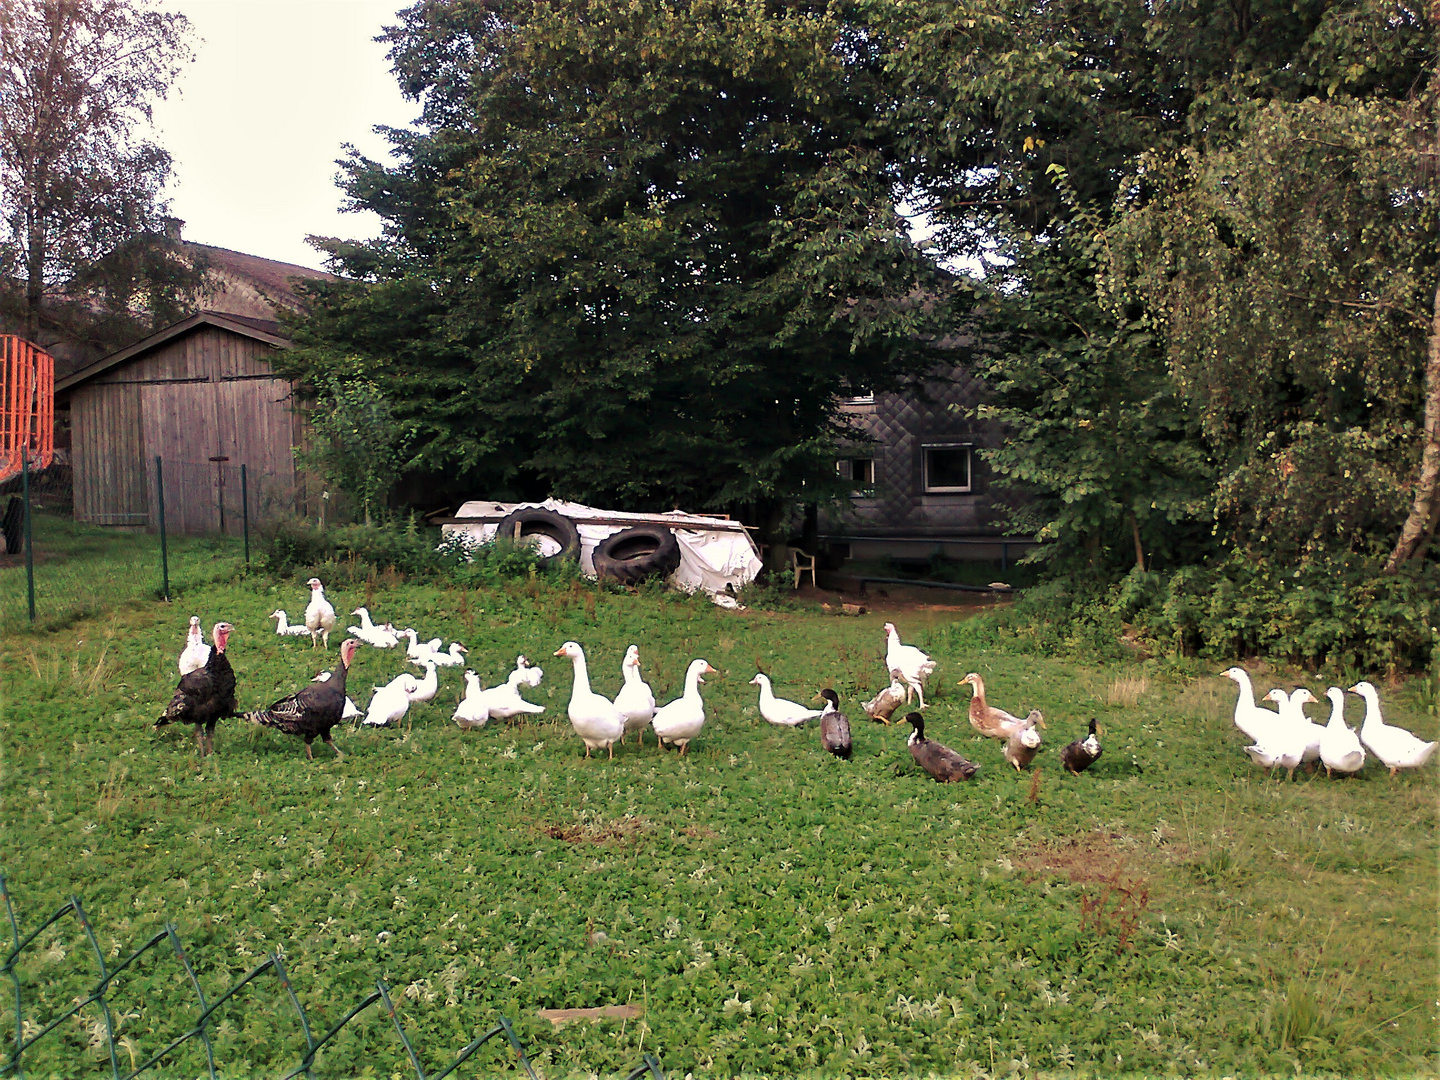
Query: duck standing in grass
[1022, 746]
[1292, 712]
[942, 763]
[595, 718]
[1395, 747]
[992, 722]
[834, 726]
[883, 705]
[392, 701]
[636, 701]
[1340, 749]
[472, 711]
[1082, 753]
[680, 721]
[780, 711]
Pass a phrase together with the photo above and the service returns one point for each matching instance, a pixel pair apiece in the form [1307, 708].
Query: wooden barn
[201, 396]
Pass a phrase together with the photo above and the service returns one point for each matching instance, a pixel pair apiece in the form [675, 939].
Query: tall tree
[633, 251]
[78, 79]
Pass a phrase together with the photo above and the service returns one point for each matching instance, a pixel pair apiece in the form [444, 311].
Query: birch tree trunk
[1425, 511]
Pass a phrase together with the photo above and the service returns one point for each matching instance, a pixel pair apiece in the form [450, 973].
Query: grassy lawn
[775, 911]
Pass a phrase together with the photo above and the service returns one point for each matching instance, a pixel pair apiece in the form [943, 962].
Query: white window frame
[867, 398]
[925, 485]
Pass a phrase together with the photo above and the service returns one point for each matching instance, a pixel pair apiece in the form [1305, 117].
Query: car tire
[637, 554]
[540, 524]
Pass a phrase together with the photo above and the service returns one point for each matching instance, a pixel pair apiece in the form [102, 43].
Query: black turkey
[206, 695]
[312, 710]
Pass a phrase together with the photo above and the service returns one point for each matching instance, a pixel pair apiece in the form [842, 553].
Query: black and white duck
[1082, 753]
[944, 764]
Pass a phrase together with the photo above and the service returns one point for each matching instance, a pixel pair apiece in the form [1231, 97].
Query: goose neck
[582, 675]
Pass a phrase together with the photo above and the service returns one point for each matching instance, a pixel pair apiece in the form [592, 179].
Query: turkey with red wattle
[206, 695]
[312, 710]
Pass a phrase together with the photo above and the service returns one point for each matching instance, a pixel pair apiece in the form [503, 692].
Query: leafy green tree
[358, 444]
[633, 251]
[79, 180]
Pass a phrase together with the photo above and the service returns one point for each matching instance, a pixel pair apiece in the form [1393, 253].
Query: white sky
[256, 122]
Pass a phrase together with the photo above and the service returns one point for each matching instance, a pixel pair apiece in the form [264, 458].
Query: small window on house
[859, 471]
[946, 469]
[860, 397]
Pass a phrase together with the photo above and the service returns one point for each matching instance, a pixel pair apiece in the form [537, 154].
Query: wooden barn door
[179, 420]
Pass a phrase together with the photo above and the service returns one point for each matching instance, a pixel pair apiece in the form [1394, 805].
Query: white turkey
[915, 667]
[196, 653]
[319, 616]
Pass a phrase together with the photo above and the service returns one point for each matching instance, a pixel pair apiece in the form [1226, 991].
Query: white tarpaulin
[714, 552]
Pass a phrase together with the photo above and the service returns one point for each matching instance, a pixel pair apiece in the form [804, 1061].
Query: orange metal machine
[27, 406]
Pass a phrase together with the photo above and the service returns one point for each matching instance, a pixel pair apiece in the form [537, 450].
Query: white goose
[914, 666]
[378, 636]
[780, 710]
[425, 688]
[283, 627]
[472, 711]
[1292, 711]
[525, 674]
[594, 718]
[319, 615]
[453, 658]
[1340, 748]
[681, 720]
[391, 701]
[636, 701]
[1250, 718]
[1395, 747]
[196, 653]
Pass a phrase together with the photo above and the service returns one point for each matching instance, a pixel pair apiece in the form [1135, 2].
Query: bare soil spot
[595, 831]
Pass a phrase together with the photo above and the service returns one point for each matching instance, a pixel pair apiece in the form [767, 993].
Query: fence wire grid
[272, 966]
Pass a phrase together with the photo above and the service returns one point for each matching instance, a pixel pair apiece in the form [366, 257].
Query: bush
[1341, 614]
[347, 554]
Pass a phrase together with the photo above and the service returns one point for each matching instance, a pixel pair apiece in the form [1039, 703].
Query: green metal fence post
[164, 549]
[29, 540]
[245, 510]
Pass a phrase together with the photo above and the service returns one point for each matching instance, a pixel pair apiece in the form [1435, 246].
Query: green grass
[776, 911]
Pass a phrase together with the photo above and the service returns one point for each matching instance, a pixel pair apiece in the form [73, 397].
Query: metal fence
[99, 996]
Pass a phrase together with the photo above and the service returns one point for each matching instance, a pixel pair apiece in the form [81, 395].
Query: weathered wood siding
[207, 394]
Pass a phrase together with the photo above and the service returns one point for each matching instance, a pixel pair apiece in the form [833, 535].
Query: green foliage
[633, 253]
[775, 911]
[359, 444]
[1340, 615]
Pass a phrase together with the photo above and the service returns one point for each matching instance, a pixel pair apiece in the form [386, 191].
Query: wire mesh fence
[102, 1044]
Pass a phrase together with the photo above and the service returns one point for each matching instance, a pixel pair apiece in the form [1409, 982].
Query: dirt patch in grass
[1094, 857]
[1116, 898]
[596, 831]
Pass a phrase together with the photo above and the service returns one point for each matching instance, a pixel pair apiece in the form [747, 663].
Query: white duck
[504, 702]
[283, 627]
[379, 636]
[780, 710]
[391, 701]
[1395, 747]
[595, 719]
[636, 701]
[196, 653]
[472, 711]
[319, 615]
[425, 688]
[1250, 718]
[1292, 711]
[417, 652]
[914, 666]
[1340, 748]
[681, 720]
[453, 658]
[351, 710]
[525, 674]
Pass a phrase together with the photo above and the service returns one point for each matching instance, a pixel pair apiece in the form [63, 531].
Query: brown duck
[992, 722]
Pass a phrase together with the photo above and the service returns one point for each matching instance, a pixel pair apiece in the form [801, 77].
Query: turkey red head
[221, 635]
[347, 651]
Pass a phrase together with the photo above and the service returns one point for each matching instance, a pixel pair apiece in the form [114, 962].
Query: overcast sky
[256, 122]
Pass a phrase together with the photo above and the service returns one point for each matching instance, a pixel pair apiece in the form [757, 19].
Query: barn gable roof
[260, 329]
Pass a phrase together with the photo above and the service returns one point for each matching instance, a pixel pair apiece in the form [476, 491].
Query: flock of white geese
[1286, 738]
[1283, 737]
